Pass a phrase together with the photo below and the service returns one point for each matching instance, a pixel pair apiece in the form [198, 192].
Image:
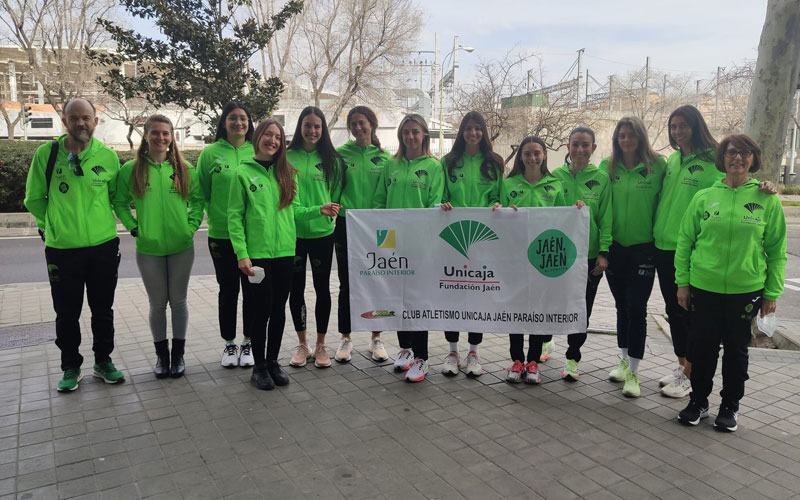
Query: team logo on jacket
[752, 207]
[695, 168]
[547, 189]
[752, 219]
[420, 173]
[172, 177]
[643, 173]
[97, 169]
[63, 187]
[590, 184]
[514, 194]
[375, 160]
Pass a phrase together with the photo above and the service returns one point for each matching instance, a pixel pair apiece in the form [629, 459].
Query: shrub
[789, 189]
[15, 161]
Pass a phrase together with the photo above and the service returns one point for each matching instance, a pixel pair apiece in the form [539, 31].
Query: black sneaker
[726, 419]
[693, 413]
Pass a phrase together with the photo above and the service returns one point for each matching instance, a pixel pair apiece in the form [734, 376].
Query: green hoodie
[517, 191]
[418, 183]
[686, 175]
[78, 211]
[258, 229]
[364, 167]
[215, 171]
[165, 227]
[315, 191]
[466, 187]
[635, 193]
[591, 185]
[732, 241]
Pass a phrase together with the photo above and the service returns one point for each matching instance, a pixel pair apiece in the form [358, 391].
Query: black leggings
[416, 341]
[630, 274]
[269, 301]
[678, 316]
[229, 277]
[535, 342]
[721, 318]
[576, 340]
[340, 246]
[320, 252]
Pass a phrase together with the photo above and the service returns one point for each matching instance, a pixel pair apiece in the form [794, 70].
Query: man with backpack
[70, 189]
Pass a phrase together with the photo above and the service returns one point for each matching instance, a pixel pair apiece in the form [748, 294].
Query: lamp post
[440, 85]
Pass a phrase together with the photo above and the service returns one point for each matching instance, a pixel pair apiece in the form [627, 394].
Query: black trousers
[630, 274]
[535, 342]
[320, 252]
[678, 316]
[70, 270]
[474, 338]
[576, 340]
[340, 247]
[721, 318]
[268, 299]
[417, 341]
[229, 278]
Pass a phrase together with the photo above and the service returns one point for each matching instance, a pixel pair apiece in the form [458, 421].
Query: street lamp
[454, 53]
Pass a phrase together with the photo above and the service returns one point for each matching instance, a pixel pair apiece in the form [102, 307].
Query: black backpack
[48, 173]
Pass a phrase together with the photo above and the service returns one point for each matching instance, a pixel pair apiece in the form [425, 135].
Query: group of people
[715, 237]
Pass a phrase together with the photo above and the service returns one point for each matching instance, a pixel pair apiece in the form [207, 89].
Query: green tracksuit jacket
[258, 230]
[635, 193]
[548, 192]
[363, 171]
[215, 171]
[732, 241]
[78, 211]
[165, 226]
[313, 190]
[466, 187]
[592, 186]
[418, 183]
[686, 175]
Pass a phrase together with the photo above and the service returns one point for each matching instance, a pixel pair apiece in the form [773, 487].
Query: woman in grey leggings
[160, 184]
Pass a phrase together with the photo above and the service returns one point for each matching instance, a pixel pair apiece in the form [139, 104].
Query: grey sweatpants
[166, 279]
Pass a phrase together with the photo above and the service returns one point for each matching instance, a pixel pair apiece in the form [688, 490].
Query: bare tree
[55, 35]
[275, 58]
[131, 112]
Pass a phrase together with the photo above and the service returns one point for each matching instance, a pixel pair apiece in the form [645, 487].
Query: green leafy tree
[201, 61]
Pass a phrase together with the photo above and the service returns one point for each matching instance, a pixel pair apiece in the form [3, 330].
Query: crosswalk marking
[791, 287]
[793, 280]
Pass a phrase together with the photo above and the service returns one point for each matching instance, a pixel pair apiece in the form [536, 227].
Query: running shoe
[404, 359]
[451, 364]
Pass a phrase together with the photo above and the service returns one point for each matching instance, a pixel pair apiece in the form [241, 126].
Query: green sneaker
[108, 372]
[70, 380]
[547, 348]
[631, 387]
[618, 373]
[570, 371]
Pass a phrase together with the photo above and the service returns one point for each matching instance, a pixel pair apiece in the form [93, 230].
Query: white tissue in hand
[259, 275]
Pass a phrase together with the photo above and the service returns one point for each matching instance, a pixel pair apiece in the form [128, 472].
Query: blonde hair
[426, 139]
[644, 151]
[140, 175]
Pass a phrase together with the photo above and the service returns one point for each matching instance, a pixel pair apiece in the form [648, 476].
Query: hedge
[15, 160]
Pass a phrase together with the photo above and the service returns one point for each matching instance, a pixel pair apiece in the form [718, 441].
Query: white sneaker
[378, 351]
[246, 355]
[418, 371]
[473, 368]
[680, 388]
[230, 356]
[451, 364]
[404, 359]
[676, 375]
[343, 353]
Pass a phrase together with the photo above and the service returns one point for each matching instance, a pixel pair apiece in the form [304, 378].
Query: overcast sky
[680, 36]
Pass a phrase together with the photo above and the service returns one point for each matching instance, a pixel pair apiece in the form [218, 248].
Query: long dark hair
[222, 132]
[332, 164]
[703, 143]
[141, 169]
[492, 166]
[519, 165]
[577, 130]
[283, 171]
[644, 151]
[373, 123]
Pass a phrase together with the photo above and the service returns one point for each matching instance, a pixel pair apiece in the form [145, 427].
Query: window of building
[41, 123]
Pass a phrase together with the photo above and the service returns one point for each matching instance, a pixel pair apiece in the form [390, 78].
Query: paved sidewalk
[357, 431]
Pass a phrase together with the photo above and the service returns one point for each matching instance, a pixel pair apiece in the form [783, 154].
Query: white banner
[469, 269]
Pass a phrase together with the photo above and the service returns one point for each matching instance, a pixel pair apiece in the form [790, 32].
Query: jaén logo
[386, 238]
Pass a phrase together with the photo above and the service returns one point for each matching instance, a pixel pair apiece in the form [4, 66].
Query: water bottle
[767, 324]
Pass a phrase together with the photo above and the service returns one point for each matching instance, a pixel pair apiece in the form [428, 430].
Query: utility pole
[530, 80]
[646, 83]
[455, 69]
[435, 81]
[611, 93]
[697, 92]
[793, 149]
[580, 74]
[716, 96]
[586, 100]
[664, 88]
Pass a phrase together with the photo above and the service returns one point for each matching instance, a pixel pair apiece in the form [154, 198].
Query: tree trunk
[130, 133]
[775, 83]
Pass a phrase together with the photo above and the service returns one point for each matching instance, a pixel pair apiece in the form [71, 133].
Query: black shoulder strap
[51, 161]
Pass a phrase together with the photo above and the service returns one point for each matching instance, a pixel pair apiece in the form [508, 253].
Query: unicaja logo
[462, 234]
[386, 238]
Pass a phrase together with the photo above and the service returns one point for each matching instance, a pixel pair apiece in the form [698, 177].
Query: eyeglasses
[731, 153]
[75, 163]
